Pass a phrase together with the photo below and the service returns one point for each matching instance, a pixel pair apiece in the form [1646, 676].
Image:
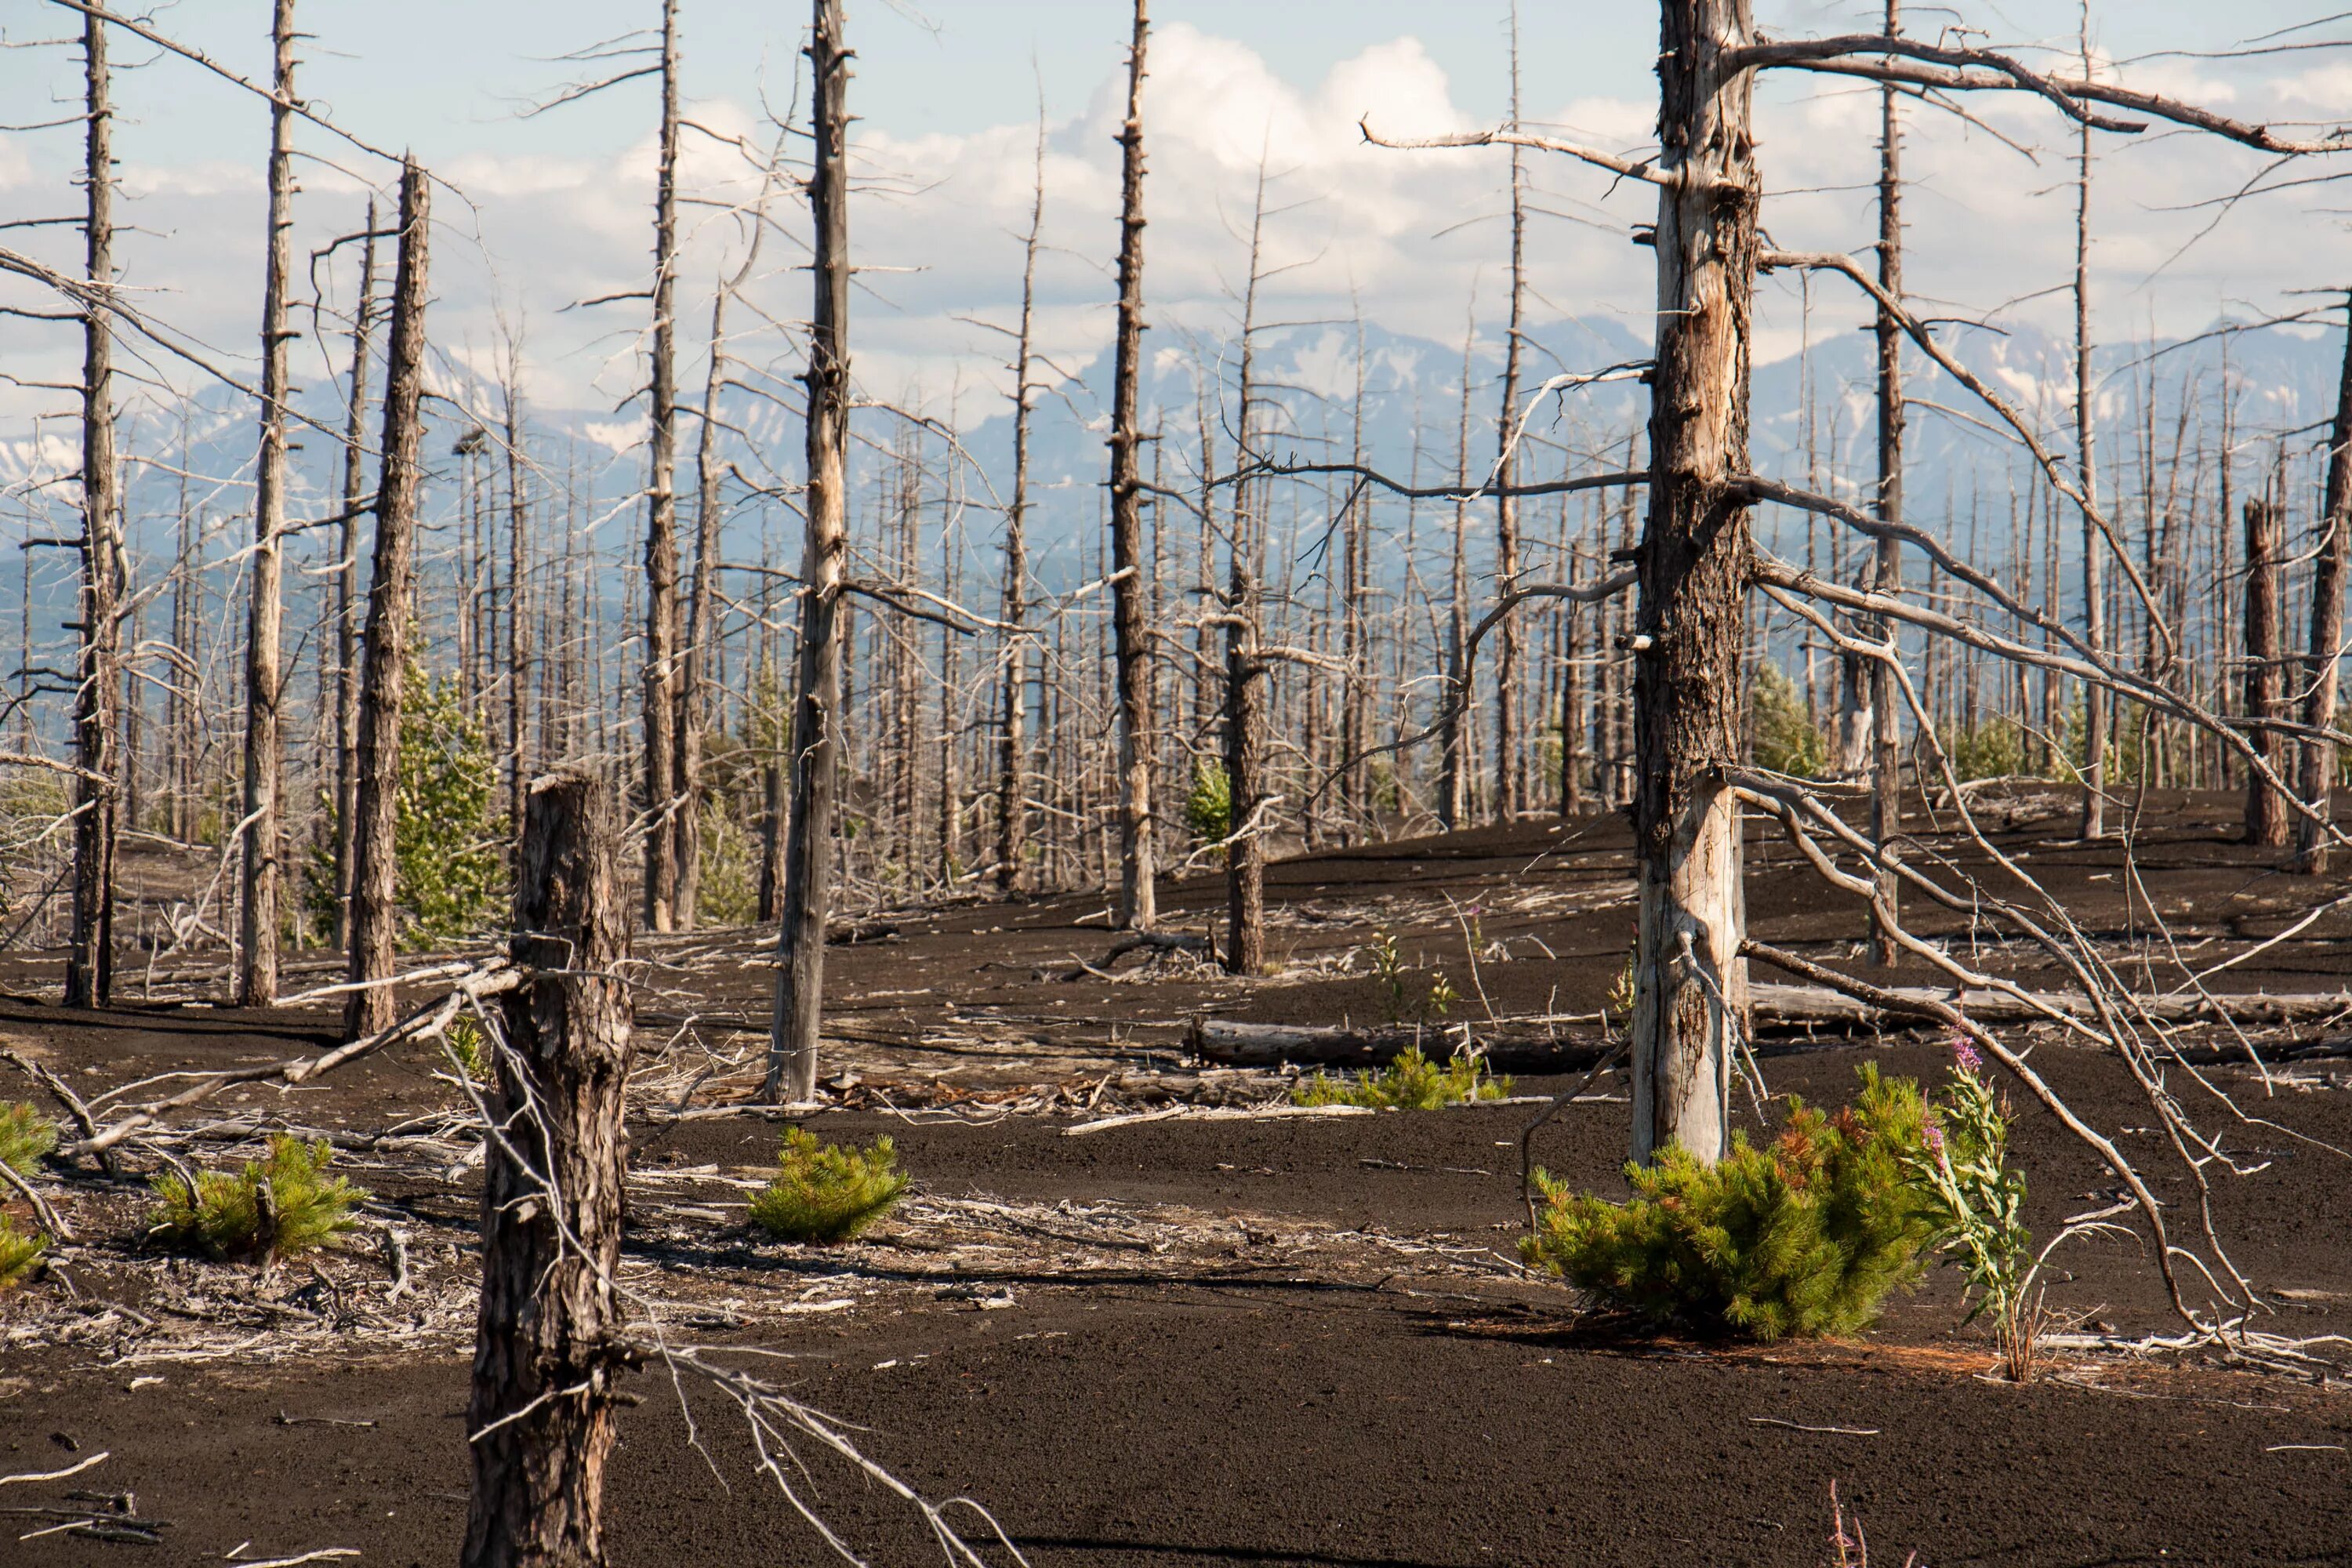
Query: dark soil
[1247, 1406]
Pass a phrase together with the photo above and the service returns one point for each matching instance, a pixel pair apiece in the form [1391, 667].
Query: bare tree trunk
[2266, 814]
[1245, 670]
[1510, 750]
[546, 1348]
[1885, 722]
[1012, 738]
[686, 826]
[374, 910]
[347, 566]
[1137, 908]
[1694, 564]
[661, 521]
[257, 980]
[2316, 783]
[816, 725]
[518, 648]
[90, 954]
[2095, 618]
[1453, 798]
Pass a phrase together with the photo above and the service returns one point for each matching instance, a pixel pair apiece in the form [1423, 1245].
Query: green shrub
[1803, 1237]
[1412, 1082]
[824, 1192]
[470, 1046]
[1787, 739]
[449, 874]
[1994, 748]
[18, 1253]
[25, 1136]
[1977, 1204]
[1209, 802]
[281, 1205]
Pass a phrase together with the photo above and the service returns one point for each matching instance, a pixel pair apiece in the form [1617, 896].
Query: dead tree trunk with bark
[1693, 564]
[374, 910]
[546, 1350]
[347, 566]
[816, 723]
[661, 519]
[2094, 612]
[1013, 696]
[1510, 758]
[1245, 670]
[518, 634]
[1137, 909]
[89, 952]
[1886, 576]
[257, 978]
[2265, 812]
[2315, 780]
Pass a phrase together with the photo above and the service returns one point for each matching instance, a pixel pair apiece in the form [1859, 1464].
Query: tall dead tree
[1510, 750]
[2095, 587]
[816, 719]
[257, 976]
[2266, 823]
[661, 519]
[1693, 564]
[1130, 592]
[1886, 575]
[518, 627]
[2315, 780]
[347, 566]
[89, 952]
[1013, 692]
[1245, 669]
[546, 1353]
[374, 910]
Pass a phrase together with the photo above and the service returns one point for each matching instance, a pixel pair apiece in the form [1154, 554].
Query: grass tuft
[825, 1192]
[25, 1136]
[276, 1207]
[18, 1253]
[1412, 1082]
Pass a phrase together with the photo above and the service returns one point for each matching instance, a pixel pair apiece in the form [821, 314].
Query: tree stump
[544, 1354]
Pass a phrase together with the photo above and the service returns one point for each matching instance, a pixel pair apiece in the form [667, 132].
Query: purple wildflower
[1935, 1139]
[1965, 1057]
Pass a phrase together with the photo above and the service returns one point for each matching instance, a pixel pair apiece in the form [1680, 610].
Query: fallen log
[1801, 1006]
[1520, 1045]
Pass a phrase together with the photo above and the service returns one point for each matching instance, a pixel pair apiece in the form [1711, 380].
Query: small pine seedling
[276, 1207]
[824, 1192]
[25, 1136]
[18, 1253]
[1412, 1082]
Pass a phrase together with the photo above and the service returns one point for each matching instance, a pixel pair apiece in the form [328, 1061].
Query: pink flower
[1935, 1139]
[1965, 1057]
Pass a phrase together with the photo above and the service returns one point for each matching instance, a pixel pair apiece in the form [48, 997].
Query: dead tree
[1454, 742]
[817, 720]
[1510, 750]
[2315, 780]
[90, 954]
[374, 910]
[661, 519]
[518, 628]
[347, 679]
[1130, 609]
[1886, 575]
[2095, 587]
[2265, 812]
[257, 976]
[1249, 803]
[546, 1348]
[1013, 696]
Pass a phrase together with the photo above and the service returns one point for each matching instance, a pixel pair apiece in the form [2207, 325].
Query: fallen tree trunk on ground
[1798, 1006]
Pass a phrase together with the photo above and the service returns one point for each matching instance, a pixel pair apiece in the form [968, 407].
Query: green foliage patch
[1209, 802]
[1412, 1082]
[1787, 739]
[276, 1207]
[18, 1253]
[1800, 1239]
[26, 1135]
[825, 1192]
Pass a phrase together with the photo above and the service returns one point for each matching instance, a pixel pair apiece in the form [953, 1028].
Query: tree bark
[257, 981]
[1885, 721]
[2266, 823]
[545, 1352]
[2316, 780]
[376, 931]
[1694, 564]
[661, 519]
[89, 952]
[817, 722]
[347, 566]
[1137, 908]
